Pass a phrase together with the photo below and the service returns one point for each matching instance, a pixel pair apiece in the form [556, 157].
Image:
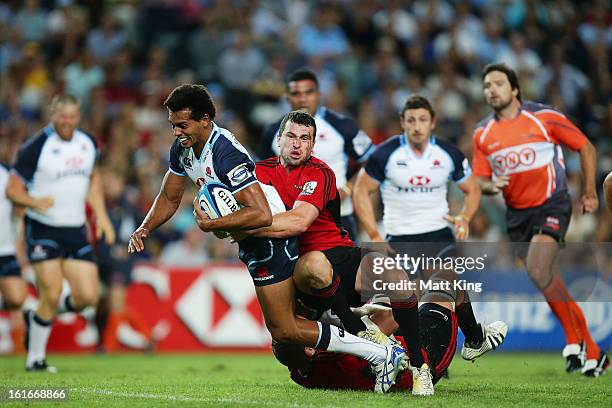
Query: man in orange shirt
[517, 151]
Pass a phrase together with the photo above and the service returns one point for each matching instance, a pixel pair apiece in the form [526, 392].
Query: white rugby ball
[216, 200]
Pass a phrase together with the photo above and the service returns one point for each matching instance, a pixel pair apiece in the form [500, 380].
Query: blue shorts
[45, 242]
[269, 260]
[9, 266]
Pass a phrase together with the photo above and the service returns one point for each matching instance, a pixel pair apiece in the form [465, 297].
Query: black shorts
[345, 262]
[269, 260]
[45, 242]
[9, 266]
[438, 334]
[433, 244]
[551, 218]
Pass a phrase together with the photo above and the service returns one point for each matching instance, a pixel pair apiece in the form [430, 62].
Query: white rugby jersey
[52, 166]
[223, 160]
[338, 139]
[7, 240]
[413, 188]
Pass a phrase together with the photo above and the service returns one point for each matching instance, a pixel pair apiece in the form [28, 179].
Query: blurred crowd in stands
[122, 57]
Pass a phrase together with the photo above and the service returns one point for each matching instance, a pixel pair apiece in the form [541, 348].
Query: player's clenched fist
[136, 240]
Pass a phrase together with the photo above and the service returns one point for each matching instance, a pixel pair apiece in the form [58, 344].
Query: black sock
[406, 314]
[68, 304]
[333, 297]
[439, 336]
[467, 322]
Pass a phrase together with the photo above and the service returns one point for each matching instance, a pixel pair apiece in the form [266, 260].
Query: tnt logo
[74, 162]
[419, 180]
[511, 160]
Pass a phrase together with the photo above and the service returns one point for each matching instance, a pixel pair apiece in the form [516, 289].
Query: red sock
[592, 349]
[560, 301]
[137, 321]
[110, 341]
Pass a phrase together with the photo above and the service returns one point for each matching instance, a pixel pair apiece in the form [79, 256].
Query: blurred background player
[412, 172]
[12, 287]
[517, 151]
[120, 324]
[339, 139]
[207, 153]
[53, 177]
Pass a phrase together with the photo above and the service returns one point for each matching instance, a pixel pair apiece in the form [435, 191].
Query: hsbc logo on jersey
[511, 160]
[419, 184]
[419, 180]
[74, 162]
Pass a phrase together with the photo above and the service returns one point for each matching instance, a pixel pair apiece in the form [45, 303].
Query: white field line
[177, 398]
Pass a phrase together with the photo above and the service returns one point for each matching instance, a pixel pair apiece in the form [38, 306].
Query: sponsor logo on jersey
[512, 159]
[436, 163]
[419, 180]
[187, 162]
[309, 188]
[238, 174]
[74, 162]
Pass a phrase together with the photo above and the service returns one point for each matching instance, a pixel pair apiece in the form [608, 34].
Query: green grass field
[498, 379]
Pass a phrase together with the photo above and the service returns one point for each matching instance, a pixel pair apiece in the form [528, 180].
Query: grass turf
[496, 380]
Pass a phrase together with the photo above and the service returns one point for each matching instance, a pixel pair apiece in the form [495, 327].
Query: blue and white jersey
[7, 240]
[413, 188]
[338, 139]
[58, 168]
[223, 160]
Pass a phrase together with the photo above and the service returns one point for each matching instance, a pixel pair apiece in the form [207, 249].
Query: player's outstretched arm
[364, 186]
[16, 192]
[255, 212]
[165, 205]
[95, 197]
[461, 222]
[608, 192]
[588, 162]
[290, 223]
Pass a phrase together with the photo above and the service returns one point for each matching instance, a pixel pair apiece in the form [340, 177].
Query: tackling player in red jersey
[517, 151]
[328, 258]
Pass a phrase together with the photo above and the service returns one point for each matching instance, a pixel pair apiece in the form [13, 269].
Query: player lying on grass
[207, 153]
[316, 369]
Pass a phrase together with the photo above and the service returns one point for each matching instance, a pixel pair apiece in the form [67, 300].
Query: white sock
[37, 342]
[335, 339]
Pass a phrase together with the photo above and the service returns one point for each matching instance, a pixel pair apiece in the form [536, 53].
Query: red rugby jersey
[527, 149]
[313, 182]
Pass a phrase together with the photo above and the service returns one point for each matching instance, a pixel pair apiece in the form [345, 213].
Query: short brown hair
[417, 102]
[300, 117]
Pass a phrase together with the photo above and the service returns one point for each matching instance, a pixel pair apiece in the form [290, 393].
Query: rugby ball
[216, 200]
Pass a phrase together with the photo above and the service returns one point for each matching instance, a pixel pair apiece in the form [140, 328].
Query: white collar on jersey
[404, 143]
